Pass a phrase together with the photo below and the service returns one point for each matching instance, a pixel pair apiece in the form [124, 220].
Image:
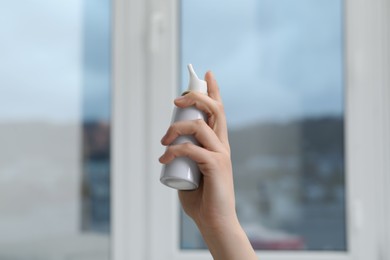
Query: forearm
[228, 243]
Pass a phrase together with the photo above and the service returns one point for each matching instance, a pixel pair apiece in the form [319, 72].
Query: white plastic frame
[145, 80]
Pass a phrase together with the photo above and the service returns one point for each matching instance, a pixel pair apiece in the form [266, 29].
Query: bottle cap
[196, 84]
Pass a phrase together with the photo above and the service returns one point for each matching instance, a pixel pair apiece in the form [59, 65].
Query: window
[55, 130]
[353, 53]
[280, 70]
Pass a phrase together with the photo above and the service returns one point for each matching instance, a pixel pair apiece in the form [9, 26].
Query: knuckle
[191, 95]
[171, 128]
[170, 149]
[187, 145]
[176, 150]
[217, 108]
[199, 123]
[220, 107]
[174, 129]
[201, 126]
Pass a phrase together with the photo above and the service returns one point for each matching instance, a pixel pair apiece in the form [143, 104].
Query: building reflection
[95, 191]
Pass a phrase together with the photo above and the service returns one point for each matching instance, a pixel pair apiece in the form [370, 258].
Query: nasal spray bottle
[183, 173]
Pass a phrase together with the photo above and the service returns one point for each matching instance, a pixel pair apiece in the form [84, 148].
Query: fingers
[205, 101]
[200, 101]
[213, 108]
[196, 153]
[197, 128]
[212, 135]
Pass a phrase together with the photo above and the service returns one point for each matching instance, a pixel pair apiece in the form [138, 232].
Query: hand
[212, 205]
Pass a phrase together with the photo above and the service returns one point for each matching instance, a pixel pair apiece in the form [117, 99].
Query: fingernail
[209, 75]
[161, 159]
[181, 98]
[162, 139]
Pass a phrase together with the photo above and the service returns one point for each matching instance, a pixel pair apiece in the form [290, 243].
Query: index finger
[212, 86]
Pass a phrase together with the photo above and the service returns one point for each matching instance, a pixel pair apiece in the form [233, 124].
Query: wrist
[227, 241]
[218, 226]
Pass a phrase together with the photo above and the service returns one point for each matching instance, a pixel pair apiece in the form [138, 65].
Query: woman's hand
[213, 202]
[212, 205]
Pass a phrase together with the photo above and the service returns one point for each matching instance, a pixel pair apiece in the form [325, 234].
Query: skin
[212, 205]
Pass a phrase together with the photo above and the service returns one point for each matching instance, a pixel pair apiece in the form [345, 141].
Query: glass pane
[279, 64]
[54, 129]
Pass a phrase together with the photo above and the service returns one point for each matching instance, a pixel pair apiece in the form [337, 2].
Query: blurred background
[279, 64]
[55, 129]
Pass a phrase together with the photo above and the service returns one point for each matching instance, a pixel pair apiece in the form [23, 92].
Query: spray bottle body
[183, 173]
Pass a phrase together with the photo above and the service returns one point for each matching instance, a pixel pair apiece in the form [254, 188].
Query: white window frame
[145, 79]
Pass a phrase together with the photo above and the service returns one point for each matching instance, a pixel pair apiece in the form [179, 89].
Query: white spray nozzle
[192, 71]
[196, 84]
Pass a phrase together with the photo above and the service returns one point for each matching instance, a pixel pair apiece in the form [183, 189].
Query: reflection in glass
[279, 67]
[54, 130]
